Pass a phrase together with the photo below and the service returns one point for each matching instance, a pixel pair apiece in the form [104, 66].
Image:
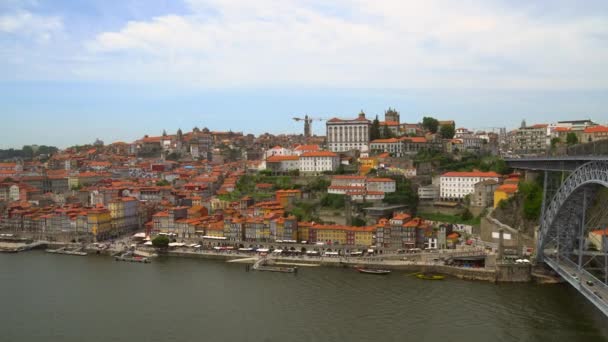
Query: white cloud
[25, 23]
[355, 43]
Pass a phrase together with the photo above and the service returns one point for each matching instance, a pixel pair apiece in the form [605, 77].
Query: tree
[164, 133]
[386, 132]
[554, 142]
[466, 215]
[98, 143]
[163, 182]
[430, 124]
[28, 152]
[374, 130]
[571, 138]
[160, 241]
[447, 131]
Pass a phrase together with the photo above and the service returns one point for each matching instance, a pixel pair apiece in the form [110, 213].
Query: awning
[140, 235]
[263, 250]
[148, 243]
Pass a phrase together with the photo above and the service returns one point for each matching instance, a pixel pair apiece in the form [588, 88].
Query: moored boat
[373, 271]
[430, 276]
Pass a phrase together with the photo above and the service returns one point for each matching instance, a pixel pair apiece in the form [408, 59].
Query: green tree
[160, 241]
[447, 131]
[466, 215]
[571, 138]
[374, 130]
[387, 133]
[554, 142]
[358, 222]
[532, 193]
[163, 182]
[28, 152]
[430, 124]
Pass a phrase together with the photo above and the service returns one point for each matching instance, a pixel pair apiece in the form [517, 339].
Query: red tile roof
[596, 129]
[489, 174]
[319, 154]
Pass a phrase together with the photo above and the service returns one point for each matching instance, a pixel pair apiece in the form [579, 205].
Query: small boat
[430, 277]
[373, 271]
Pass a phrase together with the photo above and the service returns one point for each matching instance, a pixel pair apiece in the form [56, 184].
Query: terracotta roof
[471, 174]
[276, 159]
[562, 129]
[596, 129]
[508, 188]
[307, 148]
[380, 180]
[386, 141]
[319, 154]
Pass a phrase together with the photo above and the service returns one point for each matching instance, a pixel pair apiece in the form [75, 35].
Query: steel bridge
[577, 207]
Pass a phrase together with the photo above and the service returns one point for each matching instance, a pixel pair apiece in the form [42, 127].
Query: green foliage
[358, 222]
[317, 184]
[571, 138]
[447, 131]
[466, 215]
[160, 241]
[28, 152]
[304, 211]
[532, 193]
[430, 124]
[404, 194]
[174, 156]
[374, 130]
[554, 142]
[333, 201]
[163, 182]
[386, 133]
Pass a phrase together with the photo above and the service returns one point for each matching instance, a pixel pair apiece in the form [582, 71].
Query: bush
[160, 241]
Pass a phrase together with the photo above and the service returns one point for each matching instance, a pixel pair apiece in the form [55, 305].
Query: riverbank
[495, 273]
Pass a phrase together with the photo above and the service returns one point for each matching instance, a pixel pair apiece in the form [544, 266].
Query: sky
[72, 71]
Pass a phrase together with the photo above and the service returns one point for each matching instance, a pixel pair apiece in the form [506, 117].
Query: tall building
[345, 135]
[530, 140]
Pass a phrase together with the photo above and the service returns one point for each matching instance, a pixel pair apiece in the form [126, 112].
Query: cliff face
[511, 213]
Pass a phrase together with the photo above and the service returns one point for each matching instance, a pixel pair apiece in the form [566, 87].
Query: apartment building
[456, 185]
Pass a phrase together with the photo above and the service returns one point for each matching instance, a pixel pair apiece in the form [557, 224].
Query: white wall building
[318, 162]
[345, 135]
[277, 151]
[381, 184]
[456, 185]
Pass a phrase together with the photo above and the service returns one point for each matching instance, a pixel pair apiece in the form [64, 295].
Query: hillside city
[369, 186]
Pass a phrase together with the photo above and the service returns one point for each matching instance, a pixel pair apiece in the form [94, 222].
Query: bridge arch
[563, 215]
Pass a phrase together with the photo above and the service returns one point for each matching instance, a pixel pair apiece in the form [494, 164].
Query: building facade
[345, 135]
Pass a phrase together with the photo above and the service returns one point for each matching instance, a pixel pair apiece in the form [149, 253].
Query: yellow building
[364, 236]
[99, 223]
[367, 164]
[329, 234]
[504, 192]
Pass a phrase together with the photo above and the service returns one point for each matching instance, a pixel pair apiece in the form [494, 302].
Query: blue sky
[72, 71]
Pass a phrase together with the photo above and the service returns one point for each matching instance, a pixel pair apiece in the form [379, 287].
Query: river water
[67, 298]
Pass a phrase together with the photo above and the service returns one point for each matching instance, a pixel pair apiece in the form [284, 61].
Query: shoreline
[504, 273]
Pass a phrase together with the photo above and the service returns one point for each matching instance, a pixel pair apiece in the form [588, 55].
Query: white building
[345, 135]
[381, 184]
[305, 148]
[456, 185]
[318, 162]
[283, 163]
[394, 146]
[277, 151]
[428, 192]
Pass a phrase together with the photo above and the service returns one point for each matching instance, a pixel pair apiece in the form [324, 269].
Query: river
[68, 298]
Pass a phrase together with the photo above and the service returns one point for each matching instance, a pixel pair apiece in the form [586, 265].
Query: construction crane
[308, 124]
